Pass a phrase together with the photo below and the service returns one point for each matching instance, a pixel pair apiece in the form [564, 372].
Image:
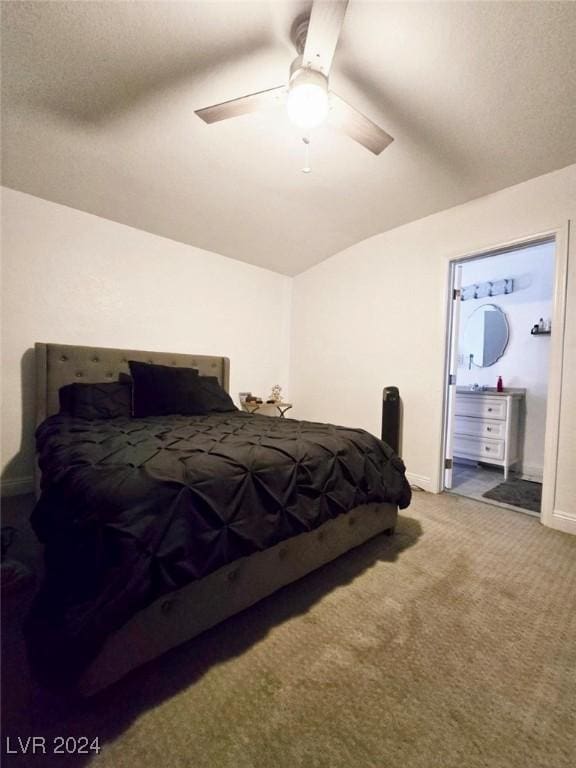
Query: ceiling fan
[307, 98]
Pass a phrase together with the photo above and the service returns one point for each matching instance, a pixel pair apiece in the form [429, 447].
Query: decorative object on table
[542, 328]
[250, 398]
[276, 394]
[499, 385]
[243, 396]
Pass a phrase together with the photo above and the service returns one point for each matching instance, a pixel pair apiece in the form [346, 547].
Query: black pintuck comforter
[134, 508]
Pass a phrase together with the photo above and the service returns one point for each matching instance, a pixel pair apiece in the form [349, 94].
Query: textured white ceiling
[99, 99]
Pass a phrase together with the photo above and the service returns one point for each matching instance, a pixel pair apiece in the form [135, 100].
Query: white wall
[525, 361]
[74, 278]
[370, 316]
[375, 315]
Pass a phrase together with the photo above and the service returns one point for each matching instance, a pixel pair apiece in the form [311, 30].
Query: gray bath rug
[520, 493]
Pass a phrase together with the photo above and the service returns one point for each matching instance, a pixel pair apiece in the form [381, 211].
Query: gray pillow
[212, 397]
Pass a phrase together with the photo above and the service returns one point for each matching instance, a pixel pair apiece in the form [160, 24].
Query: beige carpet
[451, 644]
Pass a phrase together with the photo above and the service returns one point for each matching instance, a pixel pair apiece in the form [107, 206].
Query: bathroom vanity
[488, 426]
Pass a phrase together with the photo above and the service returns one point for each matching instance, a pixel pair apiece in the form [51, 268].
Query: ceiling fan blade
[254, 102]
[357, 126]
[324, 27]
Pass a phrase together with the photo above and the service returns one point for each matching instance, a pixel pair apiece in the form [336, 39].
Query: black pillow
[212, 397]
[66, 399]
[162, 389]
[105, 400]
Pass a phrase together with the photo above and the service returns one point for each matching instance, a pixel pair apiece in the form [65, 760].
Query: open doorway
[500, 329]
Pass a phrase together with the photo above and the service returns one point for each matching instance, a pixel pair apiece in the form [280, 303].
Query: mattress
[132, 509]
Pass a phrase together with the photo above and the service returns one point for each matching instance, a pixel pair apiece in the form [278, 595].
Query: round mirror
[485, 335]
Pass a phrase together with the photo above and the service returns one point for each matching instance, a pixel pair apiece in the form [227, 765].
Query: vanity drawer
[481, 406]
[464, 425]
[478, 447]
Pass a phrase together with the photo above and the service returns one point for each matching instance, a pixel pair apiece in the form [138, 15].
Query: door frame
[561, 236]
[454, 312]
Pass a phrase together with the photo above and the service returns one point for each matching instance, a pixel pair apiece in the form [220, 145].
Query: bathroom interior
[503, 355]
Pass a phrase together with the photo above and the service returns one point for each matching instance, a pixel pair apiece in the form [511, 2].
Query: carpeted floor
[520, 493]
[449, 645]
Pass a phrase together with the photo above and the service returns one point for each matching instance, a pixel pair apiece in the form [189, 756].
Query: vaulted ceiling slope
[99, 100]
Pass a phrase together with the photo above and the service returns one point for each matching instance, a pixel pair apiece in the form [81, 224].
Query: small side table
[281, 408]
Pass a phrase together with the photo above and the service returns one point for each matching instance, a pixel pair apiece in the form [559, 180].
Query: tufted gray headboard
[60, 364]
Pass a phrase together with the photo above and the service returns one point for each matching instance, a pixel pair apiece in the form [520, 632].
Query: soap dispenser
[499, 385]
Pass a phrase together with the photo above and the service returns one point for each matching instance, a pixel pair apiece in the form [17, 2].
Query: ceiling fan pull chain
[307, 168]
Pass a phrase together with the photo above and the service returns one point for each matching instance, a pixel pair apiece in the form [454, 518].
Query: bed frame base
[175, 618]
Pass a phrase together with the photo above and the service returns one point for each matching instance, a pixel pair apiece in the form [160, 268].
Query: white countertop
[508, 391]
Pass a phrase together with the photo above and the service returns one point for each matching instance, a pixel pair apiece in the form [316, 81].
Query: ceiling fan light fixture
[315, 35]
[307, 101]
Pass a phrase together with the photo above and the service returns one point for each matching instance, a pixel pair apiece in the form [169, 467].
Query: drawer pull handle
[486, 448]
[489, 410]
[488, 429]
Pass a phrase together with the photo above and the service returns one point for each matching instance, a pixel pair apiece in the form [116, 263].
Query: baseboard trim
[534, 474]
[421, 482]
[17, 487]
[562, 521]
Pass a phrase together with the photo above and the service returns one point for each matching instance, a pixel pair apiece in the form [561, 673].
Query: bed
[196, 518]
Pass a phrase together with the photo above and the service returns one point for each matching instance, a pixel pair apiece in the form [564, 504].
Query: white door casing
[452, 371]
[564, 520]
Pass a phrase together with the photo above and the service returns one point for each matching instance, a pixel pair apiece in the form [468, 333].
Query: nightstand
[267, 409]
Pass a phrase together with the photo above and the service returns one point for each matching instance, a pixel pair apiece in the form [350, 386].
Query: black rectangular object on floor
[391, 418]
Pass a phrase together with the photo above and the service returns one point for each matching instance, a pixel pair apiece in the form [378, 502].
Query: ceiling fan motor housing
[300, 75]
[299, 32]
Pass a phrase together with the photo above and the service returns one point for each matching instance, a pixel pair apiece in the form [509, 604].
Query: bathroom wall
[525, 362]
